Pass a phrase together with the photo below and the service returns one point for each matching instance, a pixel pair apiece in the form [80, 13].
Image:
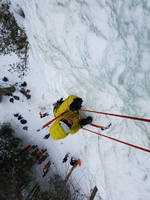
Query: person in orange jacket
[73, 161]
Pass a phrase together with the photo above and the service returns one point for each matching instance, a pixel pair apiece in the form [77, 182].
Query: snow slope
[100, 51]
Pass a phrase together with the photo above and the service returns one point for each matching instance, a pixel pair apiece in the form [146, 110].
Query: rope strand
[111, 138]
[116, 115]
[48, 123]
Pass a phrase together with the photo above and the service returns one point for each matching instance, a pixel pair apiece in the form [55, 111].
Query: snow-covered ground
[100, 51]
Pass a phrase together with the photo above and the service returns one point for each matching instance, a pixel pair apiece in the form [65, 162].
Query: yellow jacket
[56, 131]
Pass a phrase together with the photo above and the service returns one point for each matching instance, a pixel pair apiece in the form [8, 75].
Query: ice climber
[73, 161]
[69, 122]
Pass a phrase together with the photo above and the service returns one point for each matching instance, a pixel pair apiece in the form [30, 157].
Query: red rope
[111, 138]
[116, 115]
[97, 126]
[48, 123]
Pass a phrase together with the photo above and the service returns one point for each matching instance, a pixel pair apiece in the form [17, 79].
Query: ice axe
[48, 123]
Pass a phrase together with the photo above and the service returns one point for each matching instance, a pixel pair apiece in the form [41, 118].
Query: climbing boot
[86, 121]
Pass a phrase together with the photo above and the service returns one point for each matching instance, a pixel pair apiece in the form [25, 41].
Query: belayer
[69, 122]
